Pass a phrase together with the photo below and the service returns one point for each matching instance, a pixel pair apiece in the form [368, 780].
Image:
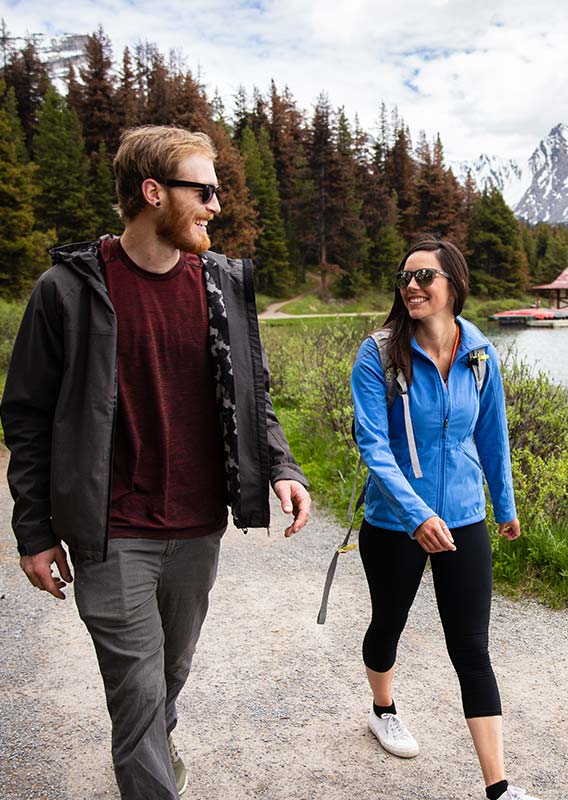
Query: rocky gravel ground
[276, 705]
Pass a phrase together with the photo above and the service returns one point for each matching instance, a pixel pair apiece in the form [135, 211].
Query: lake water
[544, 348]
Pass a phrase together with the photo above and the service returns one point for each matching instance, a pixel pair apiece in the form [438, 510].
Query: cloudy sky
[489, 76]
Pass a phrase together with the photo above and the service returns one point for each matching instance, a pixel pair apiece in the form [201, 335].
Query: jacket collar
[471, 336]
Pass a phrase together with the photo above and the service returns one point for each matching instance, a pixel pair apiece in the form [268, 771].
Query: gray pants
[144, 607]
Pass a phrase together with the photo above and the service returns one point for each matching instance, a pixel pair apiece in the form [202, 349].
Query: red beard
[177, 228]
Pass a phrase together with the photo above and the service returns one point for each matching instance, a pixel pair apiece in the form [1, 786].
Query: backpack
[396, 385]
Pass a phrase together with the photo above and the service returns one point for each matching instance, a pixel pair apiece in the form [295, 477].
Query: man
[136, 408]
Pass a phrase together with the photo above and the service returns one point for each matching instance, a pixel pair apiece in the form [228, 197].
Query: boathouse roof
[561, 282]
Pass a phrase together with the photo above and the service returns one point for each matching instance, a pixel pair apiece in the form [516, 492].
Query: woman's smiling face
[423, 302]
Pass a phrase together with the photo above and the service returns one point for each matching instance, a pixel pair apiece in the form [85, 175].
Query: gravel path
[276, 705]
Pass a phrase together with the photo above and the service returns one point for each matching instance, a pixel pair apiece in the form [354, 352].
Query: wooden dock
[533, 317]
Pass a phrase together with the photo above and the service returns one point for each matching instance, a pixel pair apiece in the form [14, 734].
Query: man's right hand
[38, 570]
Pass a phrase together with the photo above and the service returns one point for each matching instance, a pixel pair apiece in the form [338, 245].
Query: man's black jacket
[59, 405]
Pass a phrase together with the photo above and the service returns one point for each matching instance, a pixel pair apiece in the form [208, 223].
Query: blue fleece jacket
[461, 435]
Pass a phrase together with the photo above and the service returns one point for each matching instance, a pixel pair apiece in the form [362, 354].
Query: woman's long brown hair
[400, 324]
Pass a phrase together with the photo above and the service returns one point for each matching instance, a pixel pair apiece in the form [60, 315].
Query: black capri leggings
[394, 564]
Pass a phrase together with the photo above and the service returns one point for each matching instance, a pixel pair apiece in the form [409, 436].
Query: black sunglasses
[423, 277]
[207, 189]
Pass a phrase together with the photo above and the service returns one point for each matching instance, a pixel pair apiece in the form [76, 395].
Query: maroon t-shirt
[167, 476]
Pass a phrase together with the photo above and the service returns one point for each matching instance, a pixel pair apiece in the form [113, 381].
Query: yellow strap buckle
[347, 548]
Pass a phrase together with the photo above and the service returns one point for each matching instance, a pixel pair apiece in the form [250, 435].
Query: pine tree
[23, 250]
[74, 90]
[288, 139]
[555, 260]
[494, 245]
[349, 243]
[380, 213]
[236, 229]
[529, 246]
[126, 99]
[63, 172]
[97, 109]
[102, 194]
[388, 250]
[160, 105]
[272, 261]
[400, 171]
[220, 113]
[258, 117]
[439, 200]
[240, 113]
[323, 165]
[27, 74]
[191, 110]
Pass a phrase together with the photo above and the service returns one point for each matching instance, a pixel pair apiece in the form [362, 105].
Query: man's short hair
[152, 151]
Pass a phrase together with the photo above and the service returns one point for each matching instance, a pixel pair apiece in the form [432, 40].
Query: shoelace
[515, 794]
[395, 727]
[174, 755]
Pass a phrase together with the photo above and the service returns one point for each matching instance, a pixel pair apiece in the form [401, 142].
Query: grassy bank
[311, 365]
[477, 309]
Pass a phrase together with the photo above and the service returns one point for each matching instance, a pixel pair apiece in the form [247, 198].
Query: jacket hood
[81, 257]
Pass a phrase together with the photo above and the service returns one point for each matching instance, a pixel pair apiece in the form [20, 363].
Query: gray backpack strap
[381, 339]
[477, 360]
[397, 385]
[403, 391]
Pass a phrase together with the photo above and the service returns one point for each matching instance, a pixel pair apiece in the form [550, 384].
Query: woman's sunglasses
[207, 189]
[423, 277]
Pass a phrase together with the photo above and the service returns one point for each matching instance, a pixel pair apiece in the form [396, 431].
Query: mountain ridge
[536, 190]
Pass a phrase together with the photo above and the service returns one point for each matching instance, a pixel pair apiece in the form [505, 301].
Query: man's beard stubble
[176, 229]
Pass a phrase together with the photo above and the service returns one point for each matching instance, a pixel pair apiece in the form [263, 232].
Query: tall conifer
[400, 171]
[63, 172]
[126, 99]
[288, 139]
[23, 250]
[102, 195]
[272, 260]
[27, 74]
[97, 108]
[494, 244]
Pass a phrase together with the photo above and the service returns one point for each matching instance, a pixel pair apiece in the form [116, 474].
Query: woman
[424, 495]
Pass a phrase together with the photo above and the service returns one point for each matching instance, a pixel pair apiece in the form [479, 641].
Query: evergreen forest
[300, 189]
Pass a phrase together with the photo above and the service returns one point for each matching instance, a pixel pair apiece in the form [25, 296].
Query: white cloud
[488, 76]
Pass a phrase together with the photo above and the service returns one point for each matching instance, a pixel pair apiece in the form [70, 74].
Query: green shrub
[10, 317]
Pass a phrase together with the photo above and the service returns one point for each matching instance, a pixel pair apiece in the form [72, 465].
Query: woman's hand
[510, 530]
[434, 536]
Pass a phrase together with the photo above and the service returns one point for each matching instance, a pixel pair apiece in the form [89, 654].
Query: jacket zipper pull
[445, 428]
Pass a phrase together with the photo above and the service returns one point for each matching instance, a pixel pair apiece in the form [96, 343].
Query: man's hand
[38, 570]
[294, 498]
[434, 536]
[510, 530]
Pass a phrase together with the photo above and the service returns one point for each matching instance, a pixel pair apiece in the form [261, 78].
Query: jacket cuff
[39, 543]
[287, 472]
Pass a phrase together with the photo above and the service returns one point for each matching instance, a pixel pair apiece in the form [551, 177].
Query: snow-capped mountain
[536, 191]
[59, 52]
[491, 172]
[546, 199]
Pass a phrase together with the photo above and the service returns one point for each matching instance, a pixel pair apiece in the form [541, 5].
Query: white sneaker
[394, 736]
[513, 793]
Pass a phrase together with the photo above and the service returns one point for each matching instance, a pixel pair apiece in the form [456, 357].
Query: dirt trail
[276, 705]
